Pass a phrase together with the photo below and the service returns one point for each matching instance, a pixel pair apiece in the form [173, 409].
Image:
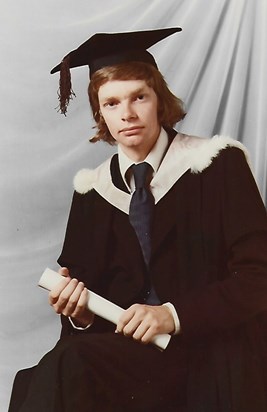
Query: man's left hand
[143, 322]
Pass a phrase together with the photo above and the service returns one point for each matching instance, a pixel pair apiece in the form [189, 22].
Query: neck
[136, 156]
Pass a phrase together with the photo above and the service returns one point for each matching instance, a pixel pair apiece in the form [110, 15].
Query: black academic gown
[209, 258]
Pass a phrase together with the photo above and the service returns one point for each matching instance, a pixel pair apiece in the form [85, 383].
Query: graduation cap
[107, 49]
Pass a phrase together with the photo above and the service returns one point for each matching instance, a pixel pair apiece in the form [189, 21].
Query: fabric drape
[217, 65]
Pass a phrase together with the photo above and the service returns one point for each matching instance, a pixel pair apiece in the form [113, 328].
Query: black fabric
[108, 49]
[99, 372]
[21, 385]
[209, 258]
[116, 176]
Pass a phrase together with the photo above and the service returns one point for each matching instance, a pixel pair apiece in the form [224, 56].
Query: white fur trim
[202, 157]
[185, 153]
[84, 180]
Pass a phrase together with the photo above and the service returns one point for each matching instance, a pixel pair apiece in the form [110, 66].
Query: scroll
[99, 305]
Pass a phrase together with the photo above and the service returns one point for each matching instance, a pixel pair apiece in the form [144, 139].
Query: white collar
[185, 153]
[154, 157]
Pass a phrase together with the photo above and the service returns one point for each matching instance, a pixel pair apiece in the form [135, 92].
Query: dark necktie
[140, 216]
[141, 209]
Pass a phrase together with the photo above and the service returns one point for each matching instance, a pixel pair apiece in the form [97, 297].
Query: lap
[118, 370]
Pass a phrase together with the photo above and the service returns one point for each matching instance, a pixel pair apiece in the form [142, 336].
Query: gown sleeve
[242, 294]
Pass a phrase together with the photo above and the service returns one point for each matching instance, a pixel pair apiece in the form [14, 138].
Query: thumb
[64, 272]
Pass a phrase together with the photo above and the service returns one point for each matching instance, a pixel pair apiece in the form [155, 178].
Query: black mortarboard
[108, 49]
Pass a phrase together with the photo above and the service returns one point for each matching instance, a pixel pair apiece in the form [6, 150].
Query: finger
[65, 295]
[74, 300]
[141, 323]
[83, 301]
[81, 304]
[126, 317]
[146, 323]
[64, 272]
[55, 292]
[140, 313]
[152, 325]
[140, 331]
[148, 335]
[131, 327]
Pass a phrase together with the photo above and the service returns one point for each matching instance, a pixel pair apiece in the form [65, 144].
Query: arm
[241, 295]
[76, 252]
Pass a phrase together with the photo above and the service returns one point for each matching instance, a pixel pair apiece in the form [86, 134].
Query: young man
[173, 229]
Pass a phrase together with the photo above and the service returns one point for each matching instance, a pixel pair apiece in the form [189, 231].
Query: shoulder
[85, 179]
[186, 152]
[203, 151]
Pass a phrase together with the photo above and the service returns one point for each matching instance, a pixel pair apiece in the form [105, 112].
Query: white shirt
[154, 158]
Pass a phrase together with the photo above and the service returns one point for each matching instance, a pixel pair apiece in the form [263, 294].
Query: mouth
[131, 129]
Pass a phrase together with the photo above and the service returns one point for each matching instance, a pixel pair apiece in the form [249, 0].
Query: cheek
[152, 113]
[105, 117]
[110, 123]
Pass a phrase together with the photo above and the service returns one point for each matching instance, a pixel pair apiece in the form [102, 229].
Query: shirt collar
[154, 157]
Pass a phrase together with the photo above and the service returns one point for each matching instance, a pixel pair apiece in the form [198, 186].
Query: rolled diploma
[98, 305]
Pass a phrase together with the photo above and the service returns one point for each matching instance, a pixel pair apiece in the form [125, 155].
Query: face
[129, 108]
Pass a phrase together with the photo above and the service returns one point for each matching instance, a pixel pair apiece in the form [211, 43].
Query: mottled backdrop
[217, 65]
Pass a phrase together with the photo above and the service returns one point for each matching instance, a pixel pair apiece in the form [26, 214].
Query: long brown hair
[170, 107]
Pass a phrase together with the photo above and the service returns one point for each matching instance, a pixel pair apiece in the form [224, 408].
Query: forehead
[115, 88]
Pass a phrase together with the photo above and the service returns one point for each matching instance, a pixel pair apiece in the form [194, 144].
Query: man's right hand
[70, 298]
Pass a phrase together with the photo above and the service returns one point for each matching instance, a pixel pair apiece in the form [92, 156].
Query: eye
[140, 97]
[110, 103]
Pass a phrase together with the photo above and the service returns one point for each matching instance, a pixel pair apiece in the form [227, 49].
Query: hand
[143, 322]
[70, 298]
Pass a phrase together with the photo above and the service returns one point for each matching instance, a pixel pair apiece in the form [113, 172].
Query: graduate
[172, 228]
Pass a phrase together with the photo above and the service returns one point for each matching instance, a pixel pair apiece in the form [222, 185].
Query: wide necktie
[140, 216]
[141, 209]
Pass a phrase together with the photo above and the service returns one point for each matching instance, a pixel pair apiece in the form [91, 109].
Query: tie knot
[140, 172]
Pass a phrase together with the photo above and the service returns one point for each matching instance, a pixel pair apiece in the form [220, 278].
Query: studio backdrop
[217, 65]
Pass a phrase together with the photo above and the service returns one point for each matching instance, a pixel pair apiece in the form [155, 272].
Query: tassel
[65, 92]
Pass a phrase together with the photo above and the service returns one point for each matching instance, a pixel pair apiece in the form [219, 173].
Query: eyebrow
[140, 90]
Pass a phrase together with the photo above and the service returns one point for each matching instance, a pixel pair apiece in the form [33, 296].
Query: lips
[129, 130]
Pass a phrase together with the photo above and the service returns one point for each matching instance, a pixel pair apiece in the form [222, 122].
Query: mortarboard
[108, 49]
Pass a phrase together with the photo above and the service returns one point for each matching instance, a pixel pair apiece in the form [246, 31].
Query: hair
[170, 107]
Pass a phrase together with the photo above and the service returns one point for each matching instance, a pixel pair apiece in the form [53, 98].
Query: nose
[128, 113]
